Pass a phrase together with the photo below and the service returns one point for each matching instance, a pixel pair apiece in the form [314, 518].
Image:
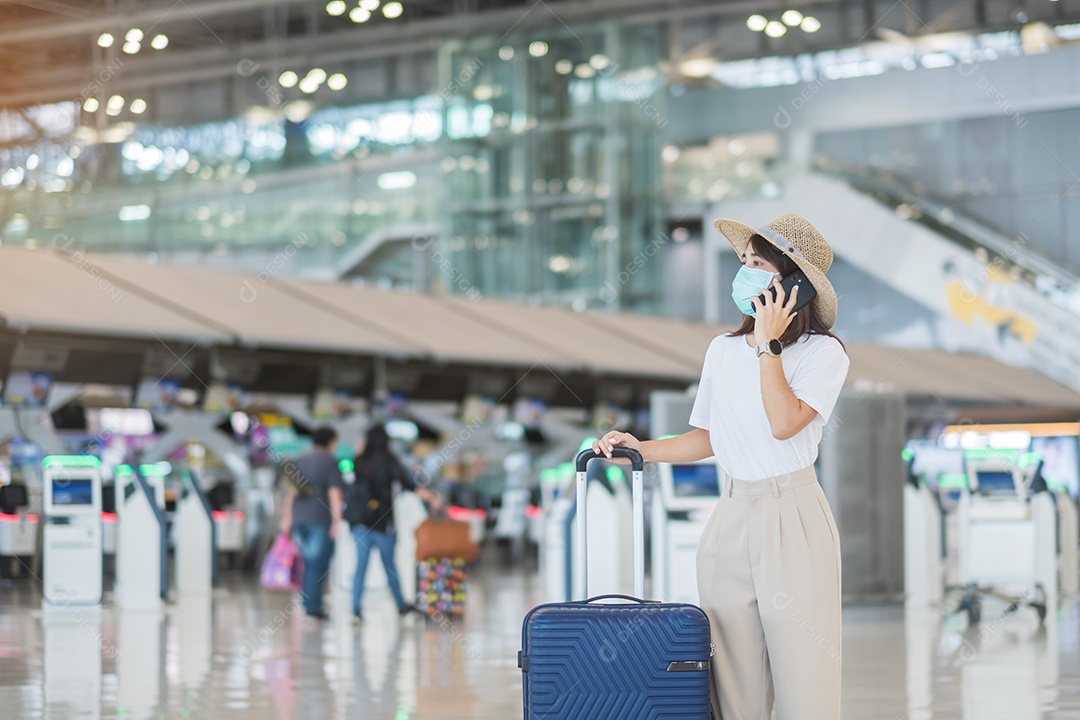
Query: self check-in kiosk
[18, 530]
[196, 554]
[686, 496]
[141, 563]
[71, 541]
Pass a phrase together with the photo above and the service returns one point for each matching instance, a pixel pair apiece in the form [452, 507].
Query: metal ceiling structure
[49, 50]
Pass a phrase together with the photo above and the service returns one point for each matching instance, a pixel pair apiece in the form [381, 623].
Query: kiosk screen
[995, 482]
[697, 480]
[72, 492]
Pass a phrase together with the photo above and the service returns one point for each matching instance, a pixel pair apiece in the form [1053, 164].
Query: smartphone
[795, 279]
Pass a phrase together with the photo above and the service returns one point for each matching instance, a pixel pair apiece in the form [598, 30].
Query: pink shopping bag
[283, 567]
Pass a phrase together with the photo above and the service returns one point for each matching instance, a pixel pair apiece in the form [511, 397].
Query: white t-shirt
[730, 407]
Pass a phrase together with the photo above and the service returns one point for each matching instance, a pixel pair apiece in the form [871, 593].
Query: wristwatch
[772, 348]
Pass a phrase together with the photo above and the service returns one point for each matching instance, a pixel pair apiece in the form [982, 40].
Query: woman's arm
[787, 414]
[688, 447]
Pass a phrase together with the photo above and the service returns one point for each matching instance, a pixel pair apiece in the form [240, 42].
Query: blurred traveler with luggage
[369, 511]
[312, 512]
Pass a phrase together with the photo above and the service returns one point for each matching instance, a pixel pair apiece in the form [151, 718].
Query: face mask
[747, 284]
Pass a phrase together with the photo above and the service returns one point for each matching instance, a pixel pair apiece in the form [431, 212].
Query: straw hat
[794, 236]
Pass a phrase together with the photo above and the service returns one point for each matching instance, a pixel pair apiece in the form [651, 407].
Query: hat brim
[826, 301]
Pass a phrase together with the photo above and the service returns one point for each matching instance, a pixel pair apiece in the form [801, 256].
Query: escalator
[1023, 307]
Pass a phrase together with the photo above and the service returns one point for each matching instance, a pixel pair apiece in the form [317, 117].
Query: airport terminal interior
[482, 231]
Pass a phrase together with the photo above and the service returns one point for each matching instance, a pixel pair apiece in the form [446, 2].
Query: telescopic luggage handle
[637, 467]
[636, 461]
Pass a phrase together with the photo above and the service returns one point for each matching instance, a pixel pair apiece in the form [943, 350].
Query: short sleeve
[334, 479]
[820, 376]
[701, 414]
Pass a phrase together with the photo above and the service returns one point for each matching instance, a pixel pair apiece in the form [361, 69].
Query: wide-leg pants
[768, 567]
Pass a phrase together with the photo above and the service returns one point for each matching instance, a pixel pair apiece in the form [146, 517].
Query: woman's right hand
[615, 439]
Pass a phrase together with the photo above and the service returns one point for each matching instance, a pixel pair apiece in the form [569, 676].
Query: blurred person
[380, 477]
[768, 561]
[312, 511]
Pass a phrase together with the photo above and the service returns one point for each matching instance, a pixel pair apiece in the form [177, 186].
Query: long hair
[807, 321]
[376, 448]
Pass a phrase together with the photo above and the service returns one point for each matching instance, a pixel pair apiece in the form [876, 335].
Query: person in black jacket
[370, 512]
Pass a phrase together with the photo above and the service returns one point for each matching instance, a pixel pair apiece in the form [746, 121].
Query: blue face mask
[747, 284]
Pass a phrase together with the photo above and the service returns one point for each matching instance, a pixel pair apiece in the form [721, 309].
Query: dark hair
[807, 321]
[376, 443]
[323, 436]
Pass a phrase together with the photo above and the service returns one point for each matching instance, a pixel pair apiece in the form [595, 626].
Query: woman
[768, 560]
[370, 512]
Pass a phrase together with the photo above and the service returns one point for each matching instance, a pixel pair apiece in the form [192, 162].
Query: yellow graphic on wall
[970, 302]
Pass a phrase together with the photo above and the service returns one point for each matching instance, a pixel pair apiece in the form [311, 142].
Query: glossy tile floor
[252, 654]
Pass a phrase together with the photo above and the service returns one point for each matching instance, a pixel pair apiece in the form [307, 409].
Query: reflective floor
[249, 653]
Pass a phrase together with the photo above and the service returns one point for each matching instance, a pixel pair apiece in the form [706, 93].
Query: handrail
[956, 226]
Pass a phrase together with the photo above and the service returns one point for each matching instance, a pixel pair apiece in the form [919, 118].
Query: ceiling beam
[140, 15]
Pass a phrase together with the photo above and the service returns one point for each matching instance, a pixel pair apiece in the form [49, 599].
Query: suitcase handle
[637, 466]
[636, 461]
[616, 596]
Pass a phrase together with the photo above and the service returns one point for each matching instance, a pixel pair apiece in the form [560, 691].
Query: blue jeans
[366, 539]
[313, 542]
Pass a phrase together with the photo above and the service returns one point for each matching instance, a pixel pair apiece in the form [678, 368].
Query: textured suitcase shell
[587, 661]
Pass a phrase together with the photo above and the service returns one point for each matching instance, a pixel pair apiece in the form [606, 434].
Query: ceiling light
[559, 263]
[392, 10]
[116, 101]
[599, 61]
[160, 42]
[308, 85]
[287, 79]
[697, 67]
[91, 105]
[564, 67]
[810, 24]
[775, 29]
[585, 71]
[138, 106]
[129, 213]
[134, 35]
[506, 52]
[369, 5]
[792, 18]
[538, 48]
[316, 74]
[337, 81]
[336, 7]
[105, 40]
[396, 180]
[756, 23]
[359, 15]
[132, 47]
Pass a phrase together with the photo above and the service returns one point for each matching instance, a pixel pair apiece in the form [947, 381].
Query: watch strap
[764, 349]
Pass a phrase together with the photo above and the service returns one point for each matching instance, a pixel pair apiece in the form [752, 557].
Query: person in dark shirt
[370, 512]
[312, 512]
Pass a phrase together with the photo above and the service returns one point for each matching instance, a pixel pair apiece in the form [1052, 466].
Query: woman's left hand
[773, 318]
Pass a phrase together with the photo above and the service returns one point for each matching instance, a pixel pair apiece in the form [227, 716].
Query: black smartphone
[795, 279]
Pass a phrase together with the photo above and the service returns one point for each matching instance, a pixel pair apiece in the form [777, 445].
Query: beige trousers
[768, 567]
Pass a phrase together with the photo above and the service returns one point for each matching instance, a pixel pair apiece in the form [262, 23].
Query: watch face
[775, 347]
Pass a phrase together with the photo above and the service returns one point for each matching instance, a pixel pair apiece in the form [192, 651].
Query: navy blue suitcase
[588, 660]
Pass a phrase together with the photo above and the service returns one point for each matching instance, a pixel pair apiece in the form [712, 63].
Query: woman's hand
[615, 439]
[773, 318]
